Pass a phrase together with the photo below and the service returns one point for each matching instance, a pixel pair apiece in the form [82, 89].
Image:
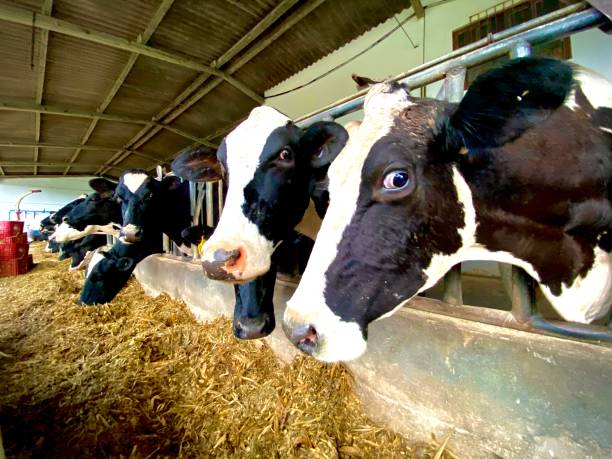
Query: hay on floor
[139, 377]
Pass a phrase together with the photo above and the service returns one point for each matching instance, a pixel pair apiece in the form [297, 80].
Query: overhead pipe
[535, 31]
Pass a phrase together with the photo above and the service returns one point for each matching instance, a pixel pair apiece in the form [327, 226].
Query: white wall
[55, 193]
[395, 55]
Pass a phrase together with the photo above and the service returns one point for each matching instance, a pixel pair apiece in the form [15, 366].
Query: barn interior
[91, 88]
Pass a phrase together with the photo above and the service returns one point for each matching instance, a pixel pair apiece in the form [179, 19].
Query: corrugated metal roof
[79, 74]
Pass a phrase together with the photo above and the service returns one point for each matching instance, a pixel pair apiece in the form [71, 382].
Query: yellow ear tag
[201, 244]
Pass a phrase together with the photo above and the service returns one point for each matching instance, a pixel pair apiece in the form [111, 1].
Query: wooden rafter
[47, 7]
[46, 22]
[19, 106]
[418, 9]
[188, 98]
[72, 147]
[146, 36]
[46, 164]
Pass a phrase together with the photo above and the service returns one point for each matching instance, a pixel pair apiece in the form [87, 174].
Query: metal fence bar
[209, 204]
[500, 45]
[452, 91]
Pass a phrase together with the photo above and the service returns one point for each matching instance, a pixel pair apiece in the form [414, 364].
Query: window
[503, 16]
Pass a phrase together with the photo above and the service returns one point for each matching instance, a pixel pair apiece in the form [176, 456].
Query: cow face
[272, 167]
[57, 217]
[383, 187]
[99, 208]
[402, 213]
[142, 200]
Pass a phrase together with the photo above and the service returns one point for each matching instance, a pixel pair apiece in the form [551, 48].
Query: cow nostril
[305, 338]
[227, 257]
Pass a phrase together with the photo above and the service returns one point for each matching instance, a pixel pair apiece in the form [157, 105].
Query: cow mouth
[227, 265]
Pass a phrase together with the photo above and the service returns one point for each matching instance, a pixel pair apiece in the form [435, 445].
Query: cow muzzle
[253, 328]
[130, 234]
[235, 261]
[324, 336]
[226, 264]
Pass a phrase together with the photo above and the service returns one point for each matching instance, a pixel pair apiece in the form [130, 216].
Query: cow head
[142, 200]
[401, 212]
[56, 217]
[98, 208]
[272, 167]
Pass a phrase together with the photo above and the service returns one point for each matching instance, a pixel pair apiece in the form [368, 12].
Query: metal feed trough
[506, 383]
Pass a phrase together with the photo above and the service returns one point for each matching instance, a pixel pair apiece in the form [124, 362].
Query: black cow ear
[323, 141]
[503, 103]
[197, 164]
[171, 182]
[102, 185]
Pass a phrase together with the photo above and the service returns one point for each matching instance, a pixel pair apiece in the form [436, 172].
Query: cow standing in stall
[277, 174]
[150, 208]
[519, 172]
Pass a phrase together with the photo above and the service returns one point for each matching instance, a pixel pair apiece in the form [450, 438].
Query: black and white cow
[98, 213]
[519, 172]
[277, 177]
[49, 224]
[78, 250]
[150, 208]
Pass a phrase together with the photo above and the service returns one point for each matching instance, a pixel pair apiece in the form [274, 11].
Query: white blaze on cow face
[235, 231]
[338, 339]
[133, 180]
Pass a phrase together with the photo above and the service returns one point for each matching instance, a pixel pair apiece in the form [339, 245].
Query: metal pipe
[498, 44]
[209, 204]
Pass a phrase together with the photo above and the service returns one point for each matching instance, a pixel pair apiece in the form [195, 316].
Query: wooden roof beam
[46, 164]
[46, 22]
[181, 104]
[46, 8]
[19, 106]
[418, 9]
[72, 147]
[127, 68]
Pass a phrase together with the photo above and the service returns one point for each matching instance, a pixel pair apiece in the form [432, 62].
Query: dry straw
[139, 377]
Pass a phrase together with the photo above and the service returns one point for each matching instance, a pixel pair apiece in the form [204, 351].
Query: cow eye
[396, 180]
[285, 155]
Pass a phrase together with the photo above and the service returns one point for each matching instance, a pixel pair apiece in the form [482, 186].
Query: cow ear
[171, 182]
[323, 141]
[197, 164]
[503, 103]
[102, 185]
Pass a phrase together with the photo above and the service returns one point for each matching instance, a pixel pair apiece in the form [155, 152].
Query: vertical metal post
[453, 293]
[452, 91]
[520, 49]
[453, 85]
[209, 204]
[522, 295]
[221, 197]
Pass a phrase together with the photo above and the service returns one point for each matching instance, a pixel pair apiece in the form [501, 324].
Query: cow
[78, 250]
[519, 172]
[277, 183]
[98, 213]
[149, 207]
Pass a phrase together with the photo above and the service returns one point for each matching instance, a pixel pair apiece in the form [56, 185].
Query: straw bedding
[140, 378]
